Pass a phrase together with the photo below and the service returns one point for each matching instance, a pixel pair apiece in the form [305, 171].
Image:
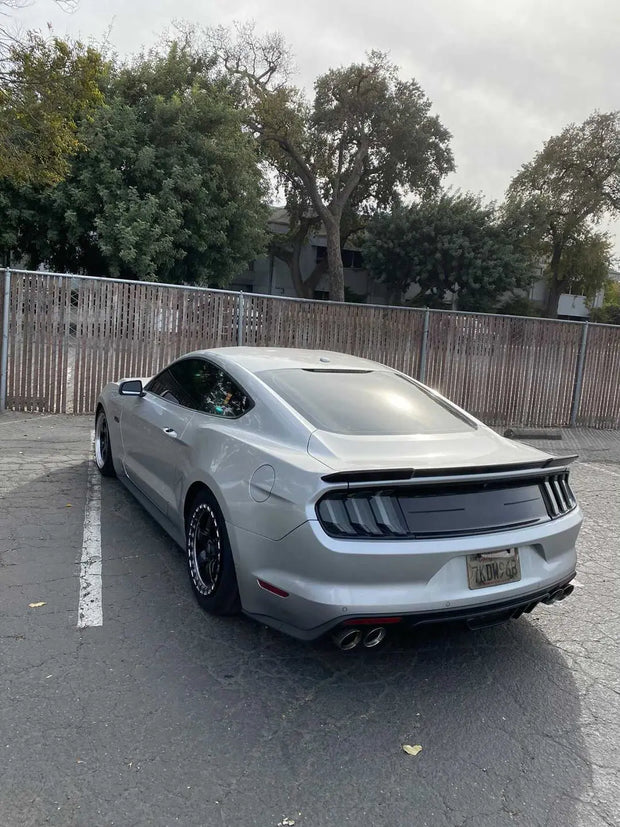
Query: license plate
[493, 568]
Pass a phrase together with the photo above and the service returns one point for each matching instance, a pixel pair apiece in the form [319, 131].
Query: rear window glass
[363, 402]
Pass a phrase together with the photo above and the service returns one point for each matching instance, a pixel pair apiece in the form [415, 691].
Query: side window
[166, 386]
[209, 389]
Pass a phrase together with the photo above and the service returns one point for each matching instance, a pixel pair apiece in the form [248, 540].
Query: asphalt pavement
[165, 716]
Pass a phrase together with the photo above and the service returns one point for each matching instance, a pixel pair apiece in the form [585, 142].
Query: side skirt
[168, 526]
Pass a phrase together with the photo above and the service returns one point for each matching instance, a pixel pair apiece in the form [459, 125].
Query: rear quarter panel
[225, 458]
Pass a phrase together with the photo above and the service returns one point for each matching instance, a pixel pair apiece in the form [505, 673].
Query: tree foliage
[584, 266]
[451, 245]
[168, 185]
[47, 86]
[366, 136]
[609, 313]
[559, 196]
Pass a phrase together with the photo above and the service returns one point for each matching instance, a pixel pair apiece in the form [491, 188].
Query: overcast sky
[503, 75]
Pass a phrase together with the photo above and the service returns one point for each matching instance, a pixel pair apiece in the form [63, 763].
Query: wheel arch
[109, 406]
[194, 488]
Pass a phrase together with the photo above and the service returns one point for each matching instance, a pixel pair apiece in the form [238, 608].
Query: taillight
[375, 514]
[558, 495]
[445, 509]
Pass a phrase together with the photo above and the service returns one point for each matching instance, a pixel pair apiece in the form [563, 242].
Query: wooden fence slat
[68, 337]
[600, 397]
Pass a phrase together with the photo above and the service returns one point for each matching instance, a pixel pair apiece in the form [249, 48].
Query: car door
[157, 437]
[153, 430]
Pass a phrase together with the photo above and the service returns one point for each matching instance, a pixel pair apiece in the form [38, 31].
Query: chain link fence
[65, 336]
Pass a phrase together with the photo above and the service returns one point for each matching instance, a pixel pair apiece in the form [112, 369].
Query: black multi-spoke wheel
[103, 449]
[209, 558]
[205, 552]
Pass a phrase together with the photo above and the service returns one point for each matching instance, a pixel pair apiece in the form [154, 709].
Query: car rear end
[422, 514]
[477, 547]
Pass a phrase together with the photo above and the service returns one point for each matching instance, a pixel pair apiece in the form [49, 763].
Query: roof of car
[256, 359]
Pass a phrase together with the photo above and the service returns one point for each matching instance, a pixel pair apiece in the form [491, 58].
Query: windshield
[364, 402]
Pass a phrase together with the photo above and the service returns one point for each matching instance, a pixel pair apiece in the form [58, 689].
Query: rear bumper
[330, 581]
[476, 617]
[489, 615]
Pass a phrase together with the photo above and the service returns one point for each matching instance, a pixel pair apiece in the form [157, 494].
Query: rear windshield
[363, 402]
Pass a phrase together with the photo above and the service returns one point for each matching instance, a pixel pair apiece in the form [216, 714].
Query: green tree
[449, 245]
[611, 296]
[47, 86]
[367, 135]
[584, 267]
[168, 186]
[609, 313]
[23, 223]
[559, 196]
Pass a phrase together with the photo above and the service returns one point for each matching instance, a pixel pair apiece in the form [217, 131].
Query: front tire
[209, 558]
[103, 448]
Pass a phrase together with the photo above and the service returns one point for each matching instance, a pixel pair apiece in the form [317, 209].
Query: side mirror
[131, 387]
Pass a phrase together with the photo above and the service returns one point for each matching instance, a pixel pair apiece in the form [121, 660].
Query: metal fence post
[579, 376]
[4, 350]
[241, 320]
[424, 347]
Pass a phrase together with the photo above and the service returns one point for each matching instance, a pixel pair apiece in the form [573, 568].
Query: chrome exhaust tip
[558, 594]
[374, 636]
[347, 638]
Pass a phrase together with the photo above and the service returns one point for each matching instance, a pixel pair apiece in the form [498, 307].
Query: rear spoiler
[557, 462]
[392, 475]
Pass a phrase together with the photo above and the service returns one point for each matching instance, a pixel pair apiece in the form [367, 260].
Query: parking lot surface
[163, 715]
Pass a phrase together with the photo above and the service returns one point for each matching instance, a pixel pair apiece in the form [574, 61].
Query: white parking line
[24, 421]
[599, 468]
[90, 606]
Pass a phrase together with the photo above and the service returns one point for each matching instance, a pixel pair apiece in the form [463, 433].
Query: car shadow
[497, 708]
[496, 711]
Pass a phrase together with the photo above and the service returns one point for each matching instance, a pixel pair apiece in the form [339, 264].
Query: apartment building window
[351, 259]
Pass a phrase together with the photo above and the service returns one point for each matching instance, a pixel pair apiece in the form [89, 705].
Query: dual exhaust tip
[558, 594]
[350, 637]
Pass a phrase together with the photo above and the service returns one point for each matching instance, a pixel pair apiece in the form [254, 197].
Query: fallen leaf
[36, 605]
[412, 750]
[68, 505]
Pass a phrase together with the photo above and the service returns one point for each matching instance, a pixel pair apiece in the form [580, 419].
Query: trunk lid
[466, 449]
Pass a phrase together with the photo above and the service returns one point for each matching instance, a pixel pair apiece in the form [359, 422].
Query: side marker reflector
[269, 587]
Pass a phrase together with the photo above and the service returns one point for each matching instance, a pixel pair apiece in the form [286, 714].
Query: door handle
[170, 432]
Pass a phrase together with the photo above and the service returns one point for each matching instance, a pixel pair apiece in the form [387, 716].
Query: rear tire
[209, 557]
[103, 448]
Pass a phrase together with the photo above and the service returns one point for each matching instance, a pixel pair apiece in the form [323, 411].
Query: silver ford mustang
[318, 492]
